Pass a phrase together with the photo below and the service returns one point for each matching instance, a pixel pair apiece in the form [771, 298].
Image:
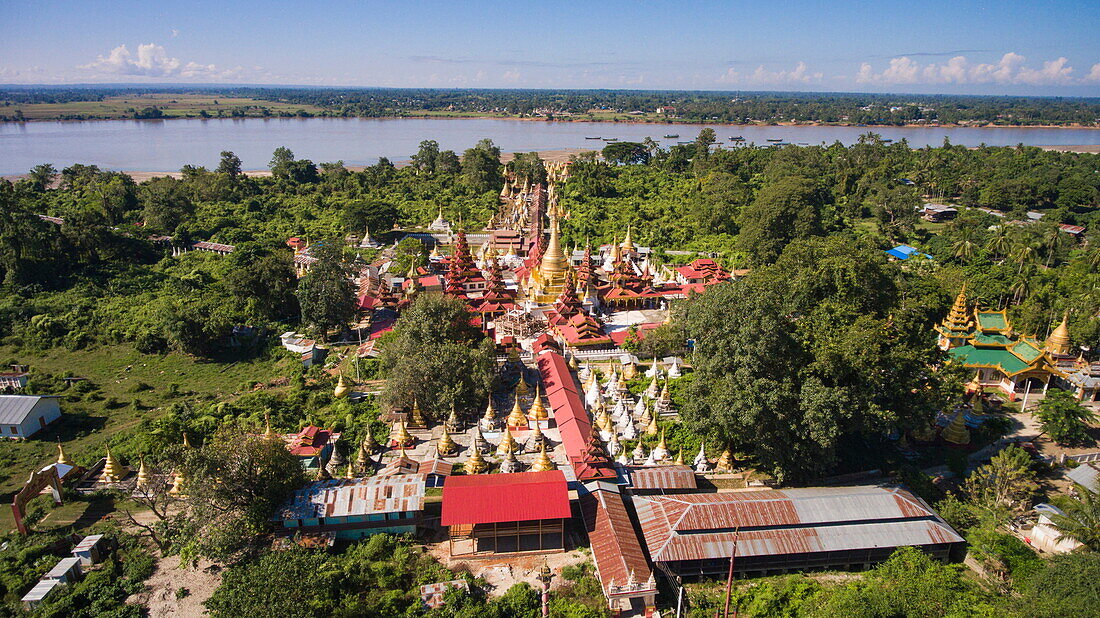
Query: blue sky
[994, 47]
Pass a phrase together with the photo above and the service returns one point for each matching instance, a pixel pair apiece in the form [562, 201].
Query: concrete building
[22, 416]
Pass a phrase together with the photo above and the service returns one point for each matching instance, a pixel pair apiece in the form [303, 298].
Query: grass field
[173, 105]
[118, 374]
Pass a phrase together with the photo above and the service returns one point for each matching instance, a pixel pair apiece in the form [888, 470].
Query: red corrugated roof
[494, 498]
[574, 426]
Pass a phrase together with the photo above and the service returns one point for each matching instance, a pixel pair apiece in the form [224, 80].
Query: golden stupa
[1058, 343]
[538, 409]
[725, 461]
[341, 389]
[446, 446]
[400, 436]
[489, 420]
[543, 463]
[350, 472]
[478, 441]
[547, 279]
[521, 386]
[417, 417]
[62, 458]
[517, 418]
[507, 443]
[143, 474]
[652, 429]
[269, 433]
[956, 431]
[113, 472]
[475, 463]
[680, 457]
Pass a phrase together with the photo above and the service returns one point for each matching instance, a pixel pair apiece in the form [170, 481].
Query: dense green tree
[42, 176]
[481, 167]
[785, 210]
[230, 165]
[266, 282]
[625, 153]
[1069, 585]
[280, 162]
[806, 351]
[1064, 419]
[166, 203]
[427, 157]
[438, 357]
[326, 294]
[1005, 485]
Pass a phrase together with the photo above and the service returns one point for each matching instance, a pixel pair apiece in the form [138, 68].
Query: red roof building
[505, 513]
[570, 417]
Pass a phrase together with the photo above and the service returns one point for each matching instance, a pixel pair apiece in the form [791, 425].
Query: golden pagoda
[113, 472]
[350, 472]
[446, 446]
[413, 279]
[608, 426]
[666, 398]
[368, 444]
[489, 420]
[630, 371]
[543, 463]
[452, 421]
[341, 389]
[1058, 343]
[362, 459]
[651, 429]
[417, 417]
[654, 386]
[517, 418]
[143, 474]
[521, 386]
[662, 446]
[186, 442]
[537, 437]
[680, 457]
[179, 483]
[538, 409]
[475, 463]
[725, 461]
[957, 327]
[62, 458]
[400, 436]
[956, 431]
[269, 433]
[547, 279]
[628, 243]
[507, 443]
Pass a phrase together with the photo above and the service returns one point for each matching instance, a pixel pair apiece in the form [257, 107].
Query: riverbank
[556, 155]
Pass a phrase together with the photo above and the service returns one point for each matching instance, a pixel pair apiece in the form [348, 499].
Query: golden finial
[269, 433]
[651, 429]
[62, 458]
[680, 457]
[350, 472]
[662, 445]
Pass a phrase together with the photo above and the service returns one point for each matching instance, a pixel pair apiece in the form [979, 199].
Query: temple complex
[1012, 362]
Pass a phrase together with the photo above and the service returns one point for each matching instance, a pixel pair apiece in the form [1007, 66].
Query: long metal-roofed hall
[778, 530]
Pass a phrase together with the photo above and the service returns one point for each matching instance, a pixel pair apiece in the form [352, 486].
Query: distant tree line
[696, 106]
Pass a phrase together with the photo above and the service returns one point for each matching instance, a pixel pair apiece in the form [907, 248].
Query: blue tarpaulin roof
[904, 252]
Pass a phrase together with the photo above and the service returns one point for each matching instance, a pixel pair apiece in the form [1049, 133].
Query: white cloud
[800, 74]
[511, 75]
[151, 60]
[1094, 74]
[1009, 69]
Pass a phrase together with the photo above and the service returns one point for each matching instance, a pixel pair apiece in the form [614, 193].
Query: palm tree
[965, 246]
[1081, 521]
[999, 242]
[1052, 238]
[1021, 287]
[1024, 254]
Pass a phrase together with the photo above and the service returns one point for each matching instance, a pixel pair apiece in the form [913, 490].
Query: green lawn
[119, 375]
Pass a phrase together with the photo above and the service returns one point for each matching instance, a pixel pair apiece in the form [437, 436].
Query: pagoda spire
[475, 463]
[446, 446]
[112, 470]
[62, 458]
[543, 463]
[628, 243]
[517, 418]
[143, 474]
[1058, 343]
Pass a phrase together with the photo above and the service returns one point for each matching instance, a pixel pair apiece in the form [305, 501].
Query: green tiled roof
[992, 320]
[1004, 360]
[1026, 351]
[983, 339]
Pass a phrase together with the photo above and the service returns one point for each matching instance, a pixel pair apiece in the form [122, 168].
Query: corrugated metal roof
[493, 498]
[698, 526]
[615, 546]
[88, 542]
[62, 568]
[40, 590]
[663, 477]
[341, 498]
[15, 408]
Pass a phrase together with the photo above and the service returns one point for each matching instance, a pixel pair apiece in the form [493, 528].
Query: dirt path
[161, 595]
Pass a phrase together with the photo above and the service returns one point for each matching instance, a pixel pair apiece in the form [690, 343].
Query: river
[166, 145]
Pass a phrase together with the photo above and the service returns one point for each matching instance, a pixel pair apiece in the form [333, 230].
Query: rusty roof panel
[663, 477]
[342, 498]
[615, 546]
[789, 521]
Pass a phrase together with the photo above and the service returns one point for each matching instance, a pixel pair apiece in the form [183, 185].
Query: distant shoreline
[669, 121]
